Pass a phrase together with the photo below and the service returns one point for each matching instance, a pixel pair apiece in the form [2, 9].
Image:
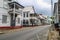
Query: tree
[52, 19]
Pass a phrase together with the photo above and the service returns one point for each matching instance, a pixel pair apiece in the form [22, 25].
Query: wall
[30, 10]
[18, 24]
[1, 3]
[4, 12]
[56, 19]
[19, 16]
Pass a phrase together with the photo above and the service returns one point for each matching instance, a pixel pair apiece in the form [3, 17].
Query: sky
[40, 6]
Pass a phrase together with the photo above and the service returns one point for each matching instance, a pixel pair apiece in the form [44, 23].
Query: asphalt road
[37, 33]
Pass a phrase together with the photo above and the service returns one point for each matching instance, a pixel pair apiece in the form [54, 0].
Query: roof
[17, 3]
[42, 16]
[29, 8]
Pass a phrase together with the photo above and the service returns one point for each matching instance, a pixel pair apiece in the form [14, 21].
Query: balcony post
[14, 12]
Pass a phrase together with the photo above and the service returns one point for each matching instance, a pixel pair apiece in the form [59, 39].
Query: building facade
[56, 13]
[29, 16]
[10, 13]
[13, 14]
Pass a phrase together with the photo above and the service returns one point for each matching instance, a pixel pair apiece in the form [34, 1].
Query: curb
[1, 32]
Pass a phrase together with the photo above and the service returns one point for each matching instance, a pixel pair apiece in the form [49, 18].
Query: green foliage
[52, 17]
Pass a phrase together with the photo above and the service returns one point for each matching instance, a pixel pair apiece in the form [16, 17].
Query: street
[37, 33]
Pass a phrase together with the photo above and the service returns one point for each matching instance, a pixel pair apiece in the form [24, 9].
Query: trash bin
[57, 26]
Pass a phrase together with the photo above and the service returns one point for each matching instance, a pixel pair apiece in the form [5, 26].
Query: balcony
[11, 11]
[33, 16]
[17, 5]
[9, 1]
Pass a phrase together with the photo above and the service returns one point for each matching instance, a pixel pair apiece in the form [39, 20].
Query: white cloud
[43, 4]
[26, 2]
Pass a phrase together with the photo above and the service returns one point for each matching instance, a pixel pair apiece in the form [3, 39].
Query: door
[13, 21]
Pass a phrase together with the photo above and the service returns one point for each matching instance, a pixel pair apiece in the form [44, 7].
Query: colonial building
[29, 16]
[10, 13]
[43, 19]
[56, 13]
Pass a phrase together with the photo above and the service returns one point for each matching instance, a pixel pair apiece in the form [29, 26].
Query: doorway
[13, 22]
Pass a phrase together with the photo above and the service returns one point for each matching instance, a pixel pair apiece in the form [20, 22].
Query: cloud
[39, 3]
[43, 7]
[43, 4]
[26, 2]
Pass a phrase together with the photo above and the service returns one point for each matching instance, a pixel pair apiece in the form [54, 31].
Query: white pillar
[29, 18]
[14, 12]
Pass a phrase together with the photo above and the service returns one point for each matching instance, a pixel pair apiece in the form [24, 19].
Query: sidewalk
[53, 34]
[3, 31]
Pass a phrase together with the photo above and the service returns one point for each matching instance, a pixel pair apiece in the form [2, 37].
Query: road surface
[37, 33]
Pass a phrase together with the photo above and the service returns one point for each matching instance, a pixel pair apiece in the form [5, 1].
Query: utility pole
[52, 7]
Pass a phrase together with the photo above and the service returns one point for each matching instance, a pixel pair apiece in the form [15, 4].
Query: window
[18, 20]
[27, 14]
[26, 21]
[23, 21]
[24, 14]
[4, 19]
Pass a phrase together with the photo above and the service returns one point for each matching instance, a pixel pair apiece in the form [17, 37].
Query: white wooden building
[28, 16]
[10, 13]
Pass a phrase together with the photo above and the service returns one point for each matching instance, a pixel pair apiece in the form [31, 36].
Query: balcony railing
[16, 11]
[33, 17]
[11, 1]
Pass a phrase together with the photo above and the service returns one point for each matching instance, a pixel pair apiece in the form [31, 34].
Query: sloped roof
[29, 8]
[16, 3]
[42, 16]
